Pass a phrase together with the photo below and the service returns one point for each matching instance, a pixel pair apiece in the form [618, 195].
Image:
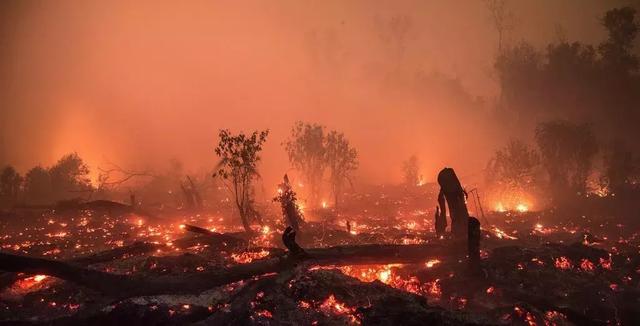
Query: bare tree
[306, 149]
[342, 161]
[115, 176]
[239, 156]
[502, 19]
[514, 166]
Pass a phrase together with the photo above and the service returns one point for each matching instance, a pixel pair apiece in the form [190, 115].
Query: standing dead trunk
[473, 242]
[452, 192]
[132, 199]
[245, 219]
[441, 220]
[288, 202]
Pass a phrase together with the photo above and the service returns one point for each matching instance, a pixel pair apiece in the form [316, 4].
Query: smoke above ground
[142, 83]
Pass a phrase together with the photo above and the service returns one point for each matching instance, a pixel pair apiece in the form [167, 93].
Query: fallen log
[218, 240]
[123, 286]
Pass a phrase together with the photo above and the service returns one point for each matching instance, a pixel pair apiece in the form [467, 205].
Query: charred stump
[451, 191]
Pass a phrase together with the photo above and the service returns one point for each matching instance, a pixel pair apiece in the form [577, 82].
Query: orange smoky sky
[141, 82]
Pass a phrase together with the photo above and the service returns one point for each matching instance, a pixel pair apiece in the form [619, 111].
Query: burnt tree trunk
[440, 218]
[452, 192]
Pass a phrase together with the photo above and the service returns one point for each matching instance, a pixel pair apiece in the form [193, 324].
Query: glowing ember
[433, 289]
[500, 208]
[606, 263]
[26, 284]
[502, 235]
[522, 208]
[553, 316]
[527, 316]
[382, 273]
[586, 265]
[335, 307]
[563, 263]
[304, 304]
[57, 235]
[247, 256]
[324, 204]
[432, 263]
[264, 313]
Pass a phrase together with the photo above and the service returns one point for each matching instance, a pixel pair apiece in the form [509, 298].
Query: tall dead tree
[502, 20]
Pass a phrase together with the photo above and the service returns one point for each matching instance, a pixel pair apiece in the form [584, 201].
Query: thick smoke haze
[139, 83]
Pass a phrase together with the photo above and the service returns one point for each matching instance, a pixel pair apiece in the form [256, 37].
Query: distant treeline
[583, 101]
[68, 178]
[584, 83]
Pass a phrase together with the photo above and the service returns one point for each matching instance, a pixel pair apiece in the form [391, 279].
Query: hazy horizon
[141, 83]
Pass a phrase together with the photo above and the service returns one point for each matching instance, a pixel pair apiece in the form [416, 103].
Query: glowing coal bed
[536, 269]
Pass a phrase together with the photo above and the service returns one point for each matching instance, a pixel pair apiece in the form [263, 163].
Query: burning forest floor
[536, 269]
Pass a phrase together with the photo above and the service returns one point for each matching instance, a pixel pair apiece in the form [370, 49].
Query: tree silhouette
[619, 167]
[38, 185]
[341, 160]
[502, 20]
[10, 185]
[617, 50]
[411, 172]
[567, 154]
[69, 177]
[306, 150]
[239, 156]
[514, 165]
